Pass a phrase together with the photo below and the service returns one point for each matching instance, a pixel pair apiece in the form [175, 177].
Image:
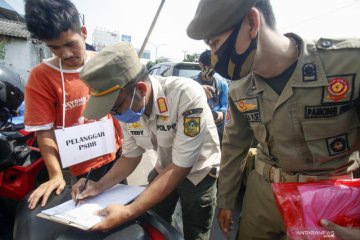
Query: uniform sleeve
[193, 116]
[236, 144]
[224, 97]
[129, 146]
[40, 107]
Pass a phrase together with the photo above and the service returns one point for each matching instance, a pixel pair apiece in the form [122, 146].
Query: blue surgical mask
[129, 116]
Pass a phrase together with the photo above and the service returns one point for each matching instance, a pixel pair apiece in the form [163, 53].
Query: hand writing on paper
[92, 189]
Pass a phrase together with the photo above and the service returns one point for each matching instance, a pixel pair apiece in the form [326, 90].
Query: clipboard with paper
[84, 215]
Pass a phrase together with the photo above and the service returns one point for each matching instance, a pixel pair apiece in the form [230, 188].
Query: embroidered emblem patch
[163, 118]
[340, 89]
[228, 117]
[192, 111]
[337, 145]
[250, 108]
[161, 101]
[134, 125]
[191, 126]
[337, 89]
[309, 72]
[247, 105]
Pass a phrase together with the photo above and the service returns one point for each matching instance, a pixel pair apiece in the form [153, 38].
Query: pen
[86, 181]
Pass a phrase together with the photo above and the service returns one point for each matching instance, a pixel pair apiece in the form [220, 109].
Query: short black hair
[265, 7]
[205, 58]
[47, 19]
[143, 75]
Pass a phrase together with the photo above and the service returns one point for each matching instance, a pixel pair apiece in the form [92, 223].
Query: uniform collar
[309, 71]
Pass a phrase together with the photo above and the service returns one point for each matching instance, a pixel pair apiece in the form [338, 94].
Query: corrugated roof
[13, 29]
[4, 4]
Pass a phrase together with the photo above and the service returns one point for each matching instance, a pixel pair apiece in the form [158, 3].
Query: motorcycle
[21, 170]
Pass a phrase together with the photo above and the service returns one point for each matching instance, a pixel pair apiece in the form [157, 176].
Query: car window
[163, 69]
[154, 71]
[186, 70]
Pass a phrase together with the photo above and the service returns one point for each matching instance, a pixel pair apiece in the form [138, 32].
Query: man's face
[207, 71]
[123, 101]
[70, 48]
[217, 41]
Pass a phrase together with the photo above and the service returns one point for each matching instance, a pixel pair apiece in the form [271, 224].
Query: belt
[275, 174]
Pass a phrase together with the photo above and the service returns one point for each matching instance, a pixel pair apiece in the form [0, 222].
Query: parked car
[181, 69]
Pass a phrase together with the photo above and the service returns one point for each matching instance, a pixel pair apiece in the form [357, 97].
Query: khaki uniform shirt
[180, 128]
[312, 128]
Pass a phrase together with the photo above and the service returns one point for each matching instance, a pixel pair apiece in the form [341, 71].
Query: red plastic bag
[303, 205]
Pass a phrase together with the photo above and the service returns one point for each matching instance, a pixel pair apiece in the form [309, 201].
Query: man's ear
[254, 21]
[142, 87]
[83, 32]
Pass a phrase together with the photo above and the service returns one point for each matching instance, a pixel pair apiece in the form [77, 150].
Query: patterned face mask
[207, 71]
[228, 63]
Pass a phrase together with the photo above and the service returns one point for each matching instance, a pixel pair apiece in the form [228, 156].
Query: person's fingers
[45, 197]
[225, 221]
[341, 232]
[103, 212]
[61, 188]
[75, 190]
[35, 197]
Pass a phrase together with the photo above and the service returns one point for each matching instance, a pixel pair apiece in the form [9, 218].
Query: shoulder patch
[192, 126]
[162, 105]
[192, 111]
[309, 72]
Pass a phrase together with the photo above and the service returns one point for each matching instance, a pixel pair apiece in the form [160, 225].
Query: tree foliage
[191, 57]
[150, 64]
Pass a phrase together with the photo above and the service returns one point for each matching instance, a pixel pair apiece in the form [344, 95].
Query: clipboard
[83, 216]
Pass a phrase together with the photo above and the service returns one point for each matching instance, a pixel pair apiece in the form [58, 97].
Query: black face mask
[228, 63]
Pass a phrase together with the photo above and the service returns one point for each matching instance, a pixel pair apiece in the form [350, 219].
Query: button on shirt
[180, 128]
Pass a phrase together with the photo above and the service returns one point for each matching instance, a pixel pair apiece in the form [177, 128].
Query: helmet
[11, 93]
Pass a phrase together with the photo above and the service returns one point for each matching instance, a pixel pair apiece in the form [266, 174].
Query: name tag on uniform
[83, 142]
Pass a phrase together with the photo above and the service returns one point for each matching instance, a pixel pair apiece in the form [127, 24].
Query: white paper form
[84, 214]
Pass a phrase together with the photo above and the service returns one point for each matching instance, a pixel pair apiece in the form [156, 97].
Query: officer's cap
[106, 74]
[213, 17]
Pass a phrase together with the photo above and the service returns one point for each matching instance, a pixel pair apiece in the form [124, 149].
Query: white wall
[22, 55]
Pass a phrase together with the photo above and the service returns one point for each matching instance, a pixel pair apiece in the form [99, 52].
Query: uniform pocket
[330, 138]
[165, 135]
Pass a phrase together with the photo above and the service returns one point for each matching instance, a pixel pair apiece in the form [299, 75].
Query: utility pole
[151, 28]
[156, 47]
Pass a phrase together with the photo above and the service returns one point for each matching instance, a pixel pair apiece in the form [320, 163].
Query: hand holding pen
[84, 187]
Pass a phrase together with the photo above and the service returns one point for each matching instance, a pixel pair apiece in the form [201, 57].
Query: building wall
[22, 55]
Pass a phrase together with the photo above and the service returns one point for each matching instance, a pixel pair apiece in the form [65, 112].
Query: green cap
[213, 17]
[106, 74]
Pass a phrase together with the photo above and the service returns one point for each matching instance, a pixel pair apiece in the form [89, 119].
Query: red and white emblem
[337, 89]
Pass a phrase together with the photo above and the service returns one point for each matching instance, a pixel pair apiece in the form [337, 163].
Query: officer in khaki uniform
[169, 115]
[298, 98]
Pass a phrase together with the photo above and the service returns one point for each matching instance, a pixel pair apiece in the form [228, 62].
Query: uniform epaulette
[327, 43]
